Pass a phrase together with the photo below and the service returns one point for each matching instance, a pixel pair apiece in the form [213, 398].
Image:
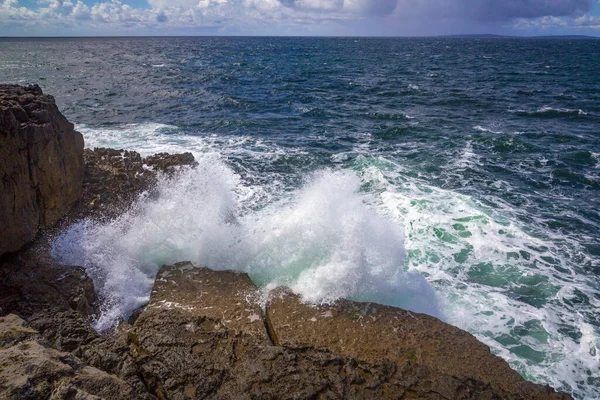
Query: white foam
[547, 109]
[468, 158]
[482, 129]
[324, 242]
[434, 220]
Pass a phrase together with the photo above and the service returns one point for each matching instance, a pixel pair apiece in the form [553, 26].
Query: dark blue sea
[456, 177]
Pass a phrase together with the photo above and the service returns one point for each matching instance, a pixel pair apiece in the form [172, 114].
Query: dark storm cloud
[494, 10]
[477, 10]
[361, 7]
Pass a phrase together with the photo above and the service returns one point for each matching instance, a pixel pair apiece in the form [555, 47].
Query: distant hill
[566, 37]
[490, 36]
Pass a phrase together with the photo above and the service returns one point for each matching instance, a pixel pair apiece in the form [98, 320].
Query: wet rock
[114, 179]
[205, 335]
[167, 163]
[41, 164]
[31, 282]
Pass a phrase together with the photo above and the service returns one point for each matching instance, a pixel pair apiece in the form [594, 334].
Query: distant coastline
[491, 36]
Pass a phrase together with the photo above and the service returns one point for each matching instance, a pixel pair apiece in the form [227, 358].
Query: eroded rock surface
[14, 330]
[205, 335]
[41, 164]
[29, 369]
[373, 332]
[31, 283]
[115, 178]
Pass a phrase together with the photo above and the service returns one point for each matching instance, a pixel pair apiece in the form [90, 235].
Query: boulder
[29, 369]
[41, 164]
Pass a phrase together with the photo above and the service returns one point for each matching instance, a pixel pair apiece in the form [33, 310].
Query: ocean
[452, 176]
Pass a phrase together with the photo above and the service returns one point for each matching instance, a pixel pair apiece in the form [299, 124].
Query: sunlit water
[454, 177]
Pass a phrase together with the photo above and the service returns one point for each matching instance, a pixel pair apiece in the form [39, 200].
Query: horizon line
[456, 36]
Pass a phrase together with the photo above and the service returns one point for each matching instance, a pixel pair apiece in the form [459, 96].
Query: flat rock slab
[199, 335]
[227, 298]
[204, 335]
[372, 332]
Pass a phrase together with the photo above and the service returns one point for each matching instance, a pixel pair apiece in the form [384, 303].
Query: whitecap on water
[496, 278]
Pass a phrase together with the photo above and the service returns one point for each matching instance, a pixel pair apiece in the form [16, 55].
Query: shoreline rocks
[204, 334]
[115, 178]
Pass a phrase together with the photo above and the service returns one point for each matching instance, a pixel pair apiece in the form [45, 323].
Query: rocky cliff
[41, 164]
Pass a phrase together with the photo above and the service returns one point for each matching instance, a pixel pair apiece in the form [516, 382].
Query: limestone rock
[29, 370]
[63, 330]
[115, 178]
[205, 335]
[41, 164]
[196, 333]
[371, 332]
[14, 330]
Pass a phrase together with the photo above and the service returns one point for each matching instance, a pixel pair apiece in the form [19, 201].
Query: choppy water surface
[456, 177]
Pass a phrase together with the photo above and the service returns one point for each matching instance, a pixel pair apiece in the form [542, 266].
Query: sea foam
[368, 230]
[323, 241]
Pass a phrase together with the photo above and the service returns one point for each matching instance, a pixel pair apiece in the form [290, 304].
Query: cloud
[314, 5]
[494, 10]
[370, 7]
[375, 17]
[80, 11]
[508, 9]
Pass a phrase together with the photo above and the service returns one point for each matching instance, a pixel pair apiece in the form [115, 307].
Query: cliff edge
[41, 164]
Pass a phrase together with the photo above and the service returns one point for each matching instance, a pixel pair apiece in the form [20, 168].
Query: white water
[323, 242]
[330, 239]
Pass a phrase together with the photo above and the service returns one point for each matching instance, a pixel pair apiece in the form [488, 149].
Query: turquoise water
[456, 177]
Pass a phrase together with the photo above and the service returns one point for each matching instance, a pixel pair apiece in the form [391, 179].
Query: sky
[298, 17]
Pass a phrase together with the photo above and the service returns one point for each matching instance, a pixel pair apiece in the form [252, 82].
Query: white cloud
[302, 16]
[80, 11]
[588, 21]
[11, 12]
